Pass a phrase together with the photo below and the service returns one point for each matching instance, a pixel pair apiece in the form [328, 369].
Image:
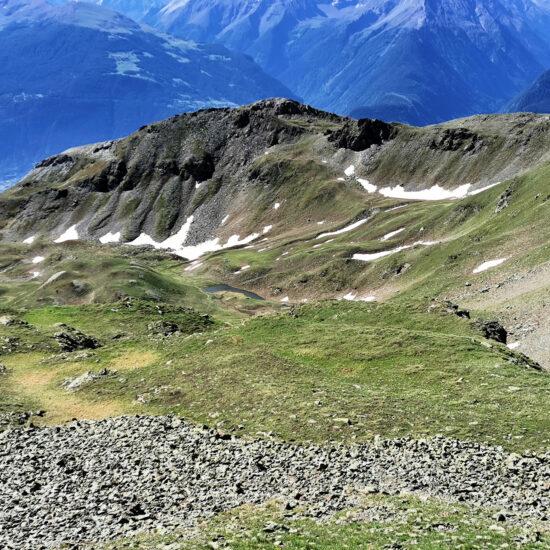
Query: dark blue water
[227, 288]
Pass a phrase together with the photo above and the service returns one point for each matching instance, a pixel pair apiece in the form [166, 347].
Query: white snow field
[346, 229]
[110, 238]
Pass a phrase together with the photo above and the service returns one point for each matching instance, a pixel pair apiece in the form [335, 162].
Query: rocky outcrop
[492, 330]
[154, 180]
[71, 339]
[93, 481]
[72, 384]
[503, 200]
[359, 135]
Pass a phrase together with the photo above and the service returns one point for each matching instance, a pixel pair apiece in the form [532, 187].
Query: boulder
[71, 339]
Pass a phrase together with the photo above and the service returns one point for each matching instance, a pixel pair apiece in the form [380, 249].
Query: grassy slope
[469, 230]
[105, 274]
[380, 521]
[388, 369]
[395, 369]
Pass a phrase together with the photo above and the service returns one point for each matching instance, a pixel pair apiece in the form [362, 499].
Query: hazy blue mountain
[418, 61]
[535, 99]
[135, 9]
[79, 73]
[263, 29]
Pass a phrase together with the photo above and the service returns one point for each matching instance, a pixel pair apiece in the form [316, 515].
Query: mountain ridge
[180, 178]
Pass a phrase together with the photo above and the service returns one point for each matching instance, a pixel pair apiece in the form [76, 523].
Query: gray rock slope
[93, 481]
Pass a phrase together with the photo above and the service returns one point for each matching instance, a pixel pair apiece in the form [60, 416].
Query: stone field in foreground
[99, 480]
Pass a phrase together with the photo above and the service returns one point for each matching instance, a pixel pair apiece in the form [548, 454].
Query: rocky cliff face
[200, 181]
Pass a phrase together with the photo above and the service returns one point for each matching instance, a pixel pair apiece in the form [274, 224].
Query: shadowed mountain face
[80, 73]
[413, 61]
[535, 99]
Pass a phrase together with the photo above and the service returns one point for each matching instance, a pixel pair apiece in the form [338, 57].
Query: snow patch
[192, 252]
[276, 206]
[193, 266]
[70, 234]
[196, 251]
[285, 299]
[127, 65]
[514, 345]
[267, 229]
[235, 240]
[29, 240]
[396, 208]
[53, 278]
[346, 229]
[350, 171]
[322, 244]
[176, 241]
[435, 193]
[350, 297]
[38, 259]
[489, 265]
[225, 220]
[378, 255]
[478, 191]
[391, 234]
[125, 62]
[367, 185]
[110, 238]
[144, 240]
[243, 268]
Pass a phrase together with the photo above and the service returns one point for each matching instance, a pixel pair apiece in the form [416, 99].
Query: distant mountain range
[80, 73]
[415, 61]
[535, 99]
